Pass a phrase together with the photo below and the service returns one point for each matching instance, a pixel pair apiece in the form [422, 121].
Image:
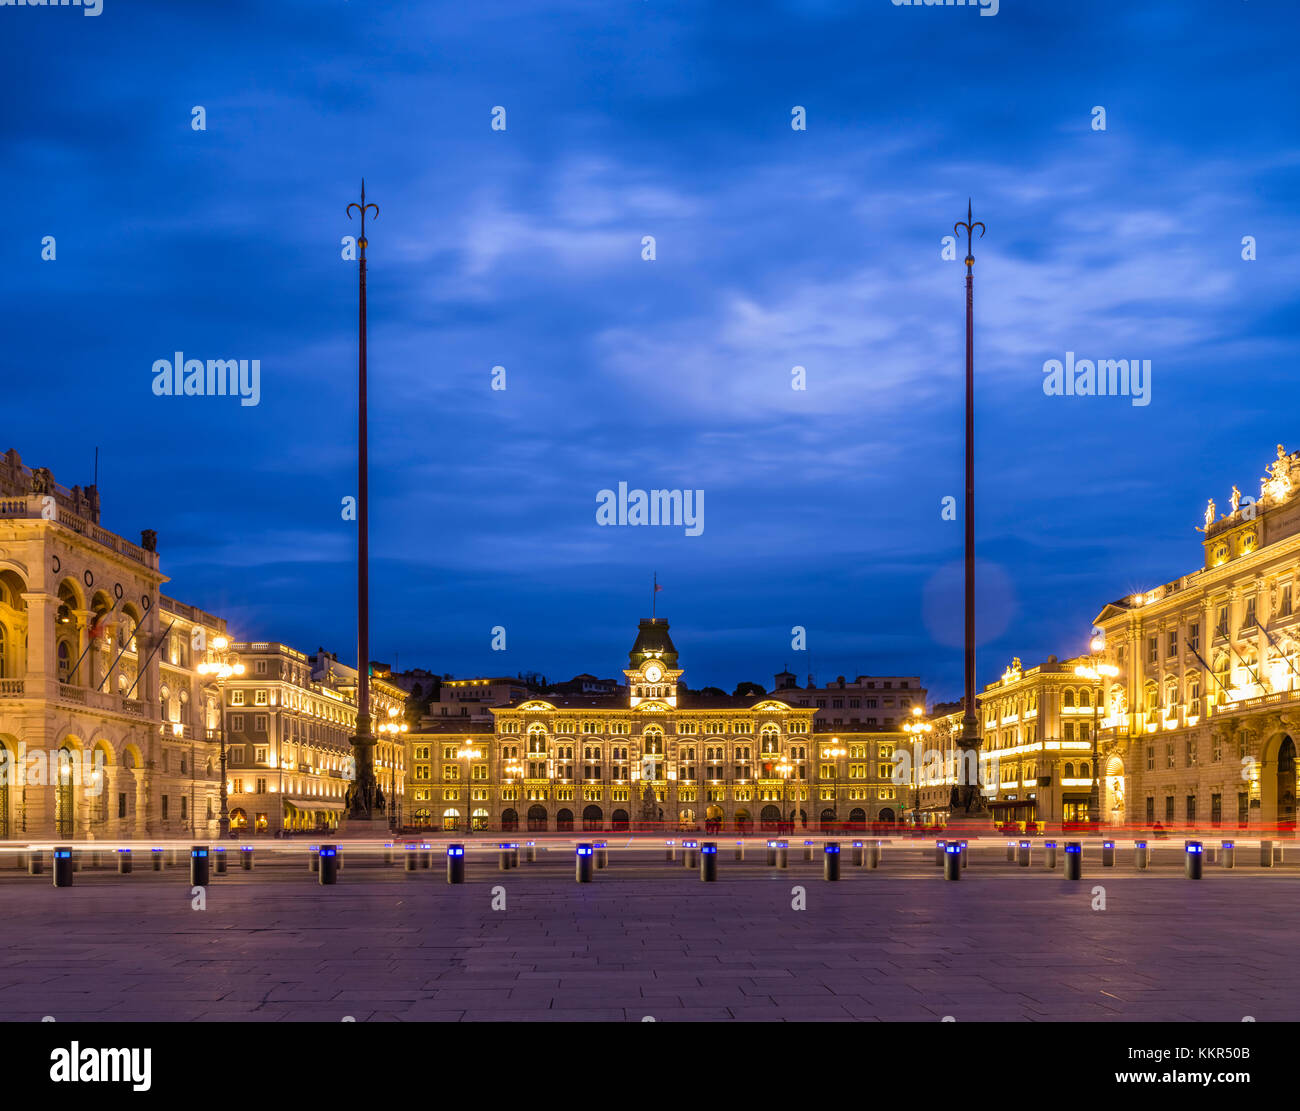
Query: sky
[774, 248]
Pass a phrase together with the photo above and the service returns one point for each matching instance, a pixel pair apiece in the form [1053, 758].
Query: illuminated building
[656, 755]
[1200, 724]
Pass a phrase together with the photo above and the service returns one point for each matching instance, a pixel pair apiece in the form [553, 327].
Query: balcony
[31, 507]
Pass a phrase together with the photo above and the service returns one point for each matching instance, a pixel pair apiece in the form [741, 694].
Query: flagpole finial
[970, 226]
[361, 210]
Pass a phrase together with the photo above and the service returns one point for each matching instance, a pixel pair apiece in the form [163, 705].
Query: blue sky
[775, 248]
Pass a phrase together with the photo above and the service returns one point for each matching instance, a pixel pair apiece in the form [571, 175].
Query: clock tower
[652, 670]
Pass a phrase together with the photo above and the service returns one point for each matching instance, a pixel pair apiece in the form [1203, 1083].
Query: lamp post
[467, 754]
[392, 729]
[833, 752]
[222, 665]
[783, 769]
[918, 730]
[1094, 670]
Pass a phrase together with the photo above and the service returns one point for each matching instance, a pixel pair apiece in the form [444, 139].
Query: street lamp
[1094, 670]
[222, 666]
[468, 753]
[392, 729]
[833, 752]
[918, 730]
[783, 769]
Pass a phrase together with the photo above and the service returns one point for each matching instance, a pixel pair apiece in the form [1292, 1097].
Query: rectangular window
[164, 808]
[1151, 809]
[1151, 757]
[259, 698]
[1169, 754]
[1171, 649]
[1243, 808]
[236, 698]
[1194, 636]
[1284, 603]
[1216, 810]
[1221, 622]
[1191, 808]
[261, 790]
[1153, 651]
[1249, 622]
[1169, 808]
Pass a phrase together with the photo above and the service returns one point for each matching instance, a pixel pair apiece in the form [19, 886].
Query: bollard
[807, 850]
[939, 848]
[1023, 854]
[583, 863]
[1277, 854]
[156, 855]
[1108, 854]
[35, 863]
[1011, 852]
[96, 860]
[690, 853]
[388, 853]
[670, 853]
[62, 866]
[771, 854]
[455, 863]
[327, 857]
[1141, 855]
[783, 854]
[246, 857]
[831, 860]
[740, 850]
[709, 861]
[1266, 854]
[952, 861]
[602, 854]
[1228, 854]
[200, 866]
[411, 856]
[514, 854]
[76, 860]
[219, 859]
[123, 862]
[1195, 859]
[873, 854]
[1049, 850]
[171, 857]
[503, 856]
[20, 861]
[859, 854]
[426, 854]
[530, 852]
[313, 859]
[1073, 860]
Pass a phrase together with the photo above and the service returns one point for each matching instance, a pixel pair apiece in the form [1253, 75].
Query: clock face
[654, 673]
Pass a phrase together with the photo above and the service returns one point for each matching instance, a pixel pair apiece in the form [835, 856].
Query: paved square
[649, 939]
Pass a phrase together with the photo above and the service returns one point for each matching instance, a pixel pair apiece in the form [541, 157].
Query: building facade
[107, 730]
[1201, 721]
[658, 756]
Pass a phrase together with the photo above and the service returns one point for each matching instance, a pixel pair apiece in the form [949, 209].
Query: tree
[714, 690]
[750, 690]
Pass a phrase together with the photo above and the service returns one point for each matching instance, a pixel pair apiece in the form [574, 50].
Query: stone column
[42, 668]
[81, 676]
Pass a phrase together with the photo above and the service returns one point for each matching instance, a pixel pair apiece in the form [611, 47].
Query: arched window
[1223, 675]
[65, 660]
[1067, 699]
[1069, 771]
[769, 742]
[1085, 698]
[3, 658]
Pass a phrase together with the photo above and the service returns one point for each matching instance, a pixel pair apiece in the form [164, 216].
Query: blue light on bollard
[1108, 854]
[1195, 860]
[1228, 854]
[327, 857]
[807, 850]
[1022, 854]
[219, 859]
[858, 853]
[602, 853]
[690, 854]
[1049, 849]
[1141, 855]
[199, 866]
[939, 848]
[831, 860]
[156, 855]
[583, 861]
[1073, 860]
[503, 856]
[455, 863]
[670, 850]
[62, 867]
[952, 860]
[771, 854]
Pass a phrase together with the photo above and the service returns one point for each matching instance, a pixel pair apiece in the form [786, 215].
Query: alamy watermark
[986, 7]
[1129, 378]
[88, 7]
[672, 508]
[182, 377]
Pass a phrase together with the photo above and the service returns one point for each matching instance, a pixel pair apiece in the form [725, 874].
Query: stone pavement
[649, 940]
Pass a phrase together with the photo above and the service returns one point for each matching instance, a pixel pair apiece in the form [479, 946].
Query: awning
[314, 804]
[1011, 804]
